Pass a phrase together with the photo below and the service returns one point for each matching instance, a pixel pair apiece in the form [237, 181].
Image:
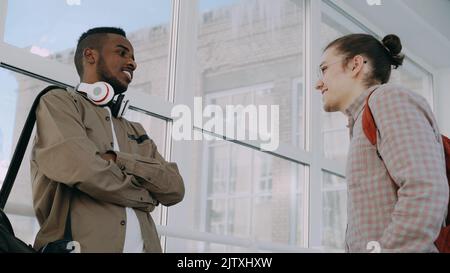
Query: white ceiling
[435, 12]
[423, 25]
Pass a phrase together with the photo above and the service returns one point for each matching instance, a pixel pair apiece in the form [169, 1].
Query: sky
[22, 29]
[55, 25]
[31, 22]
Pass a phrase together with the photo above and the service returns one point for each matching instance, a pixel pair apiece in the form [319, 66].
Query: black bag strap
[61, 245]
[68, 227]
[21, 147]
[4, 221]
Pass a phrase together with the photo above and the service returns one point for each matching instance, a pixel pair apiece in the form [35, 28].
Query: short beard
[330, 108]
[105, 75]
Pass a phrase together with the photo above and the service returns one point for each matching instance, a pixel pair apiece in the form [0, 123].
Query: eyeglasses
[321, 69]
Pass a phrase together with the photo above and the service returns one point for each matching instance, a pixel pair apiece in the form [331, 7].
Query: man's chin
[120, 88]
[330, 108]
[118, 85]
[120, 91]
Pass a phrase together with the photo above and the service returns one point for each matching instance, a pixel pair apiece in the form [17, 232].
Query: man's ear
[90, 55]
[356, 65]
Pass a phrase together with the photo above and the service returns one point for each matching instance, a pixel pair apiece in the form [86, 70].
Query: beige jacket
[66, 167]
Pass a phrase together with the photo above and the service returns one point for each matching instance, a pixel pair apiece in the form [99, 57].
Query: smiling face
[340, 81]
[332, 84]
[115, 63]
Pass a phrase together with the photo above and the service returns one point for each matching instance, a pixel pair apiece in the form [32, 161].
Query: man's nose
[319, 85]
[132, 64]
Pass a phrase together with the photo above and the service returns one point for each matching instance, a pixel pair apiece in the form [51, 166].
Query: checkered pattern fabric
[399, 200]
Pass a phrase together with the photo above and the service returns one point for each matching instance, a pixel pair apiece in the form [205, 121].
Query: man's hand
[109, 156]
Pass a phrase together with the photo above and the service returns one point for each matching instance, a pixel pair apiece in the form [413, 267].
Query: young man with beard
[94, 171]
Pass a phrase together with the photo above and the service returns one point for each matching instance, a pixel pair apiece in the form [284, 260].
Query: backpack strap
[446, 142]
[21, 147]
[369, 125]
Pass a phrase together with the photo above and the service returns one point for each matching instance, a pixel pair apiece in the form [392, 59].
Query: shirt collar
[357, 106]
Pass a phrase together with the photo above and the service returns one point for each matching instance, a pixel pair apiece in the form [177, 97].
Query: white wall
[443, 100]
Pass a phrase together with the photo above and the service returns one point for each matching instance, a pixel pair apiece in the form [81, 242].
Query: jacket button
[108, 118]
[122, 223]
[112, 144]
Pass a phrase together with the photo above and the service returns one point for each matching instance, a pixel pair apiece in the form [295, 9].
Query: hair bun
[394, 46]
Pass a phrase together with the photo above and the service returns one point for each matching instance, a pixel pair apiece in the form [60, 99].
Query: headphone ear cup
[100, 93]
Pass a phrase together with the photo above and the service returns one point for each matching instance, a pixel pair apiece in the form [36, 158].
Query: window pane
[415, 78]
[18, 94]
[25, 227]
[242, 193]
[208, 247]
[335, 132]
[250, 51]
[7, 118]
[56, 38]
[334, 205]
[336, 136]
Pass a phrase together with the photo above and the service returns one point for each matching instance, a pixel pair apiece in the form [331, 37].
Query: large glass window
[242, 193]
[334, 215]
[334, 128]
[61, 23]
[18, 95]
[416, 79]
[7, 120]
[251, 51]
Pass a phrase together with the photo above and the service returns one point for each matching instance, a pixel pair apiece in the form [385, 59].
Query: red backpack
[370, 130]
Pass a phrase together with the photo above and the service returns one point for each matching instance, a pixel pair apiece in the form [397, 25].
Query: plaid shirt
[399, 201]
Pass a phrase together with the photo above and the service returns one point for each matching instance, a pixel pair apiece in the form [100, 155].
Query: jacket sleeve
[65, 154]
[161, 178]
[412, 151]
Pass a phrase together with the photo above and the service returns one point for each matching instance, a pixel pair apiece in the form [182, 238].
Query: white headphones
[102, 94]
